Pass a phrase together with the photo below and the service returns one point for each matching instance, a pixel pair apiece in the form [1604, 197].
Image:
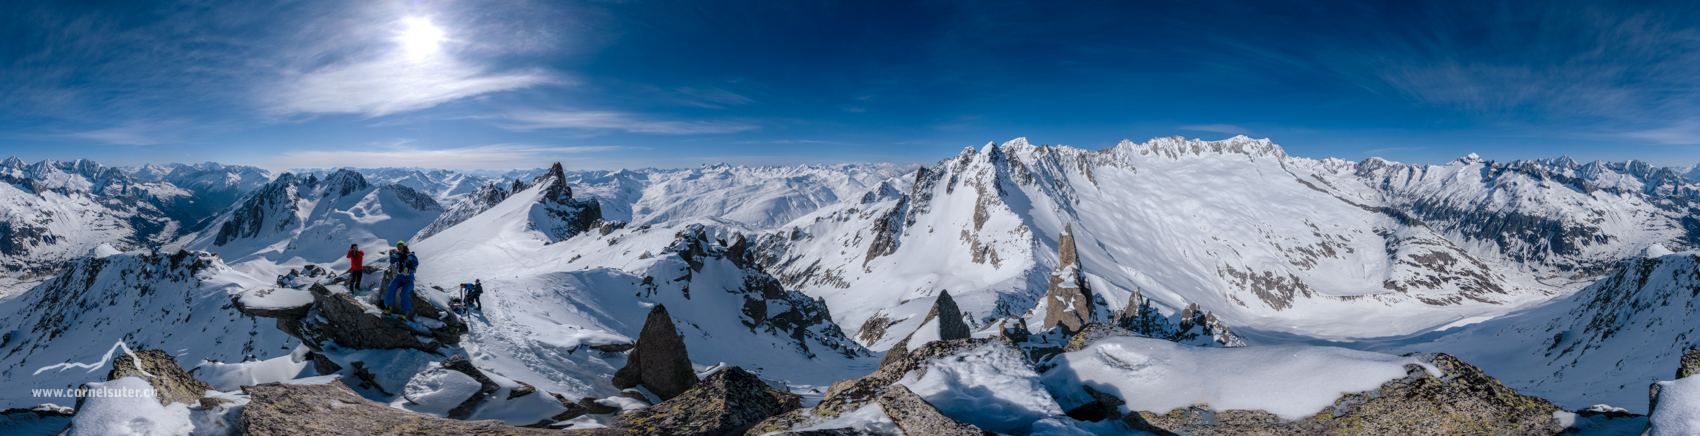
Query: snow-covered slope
[215, 187]
[445, 186]
[1604, 344]
[552, 294]
[1327, 249]
[177, 302]
[315, 219]
[755, 197]
[53, 212]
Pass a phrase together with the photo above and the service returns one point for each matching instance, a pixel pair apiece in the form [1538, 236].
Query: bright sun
[420, 38]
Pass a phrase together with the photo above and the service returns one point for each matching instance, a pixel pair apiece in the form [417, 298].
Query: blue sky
[605, 84]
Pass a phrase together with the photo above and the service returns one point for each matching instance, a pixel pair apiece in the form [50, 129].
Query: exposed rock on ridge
[660, 361]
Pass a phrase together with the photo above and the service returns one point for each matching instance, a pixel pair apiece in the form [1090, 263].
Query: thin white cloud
[393, 84]
[1686, 132]
[1381, 151]
[134, 133]
[486, 157]
[1217, 128]
[598, 120]
[117, 136]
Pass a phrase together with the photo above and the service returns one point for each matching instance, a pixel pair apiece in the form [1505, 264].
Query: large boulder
[916, 416]
[1463, 400]
[659, 362]
[333, 409]
[171, 384]
[728, 402]
[339, 318]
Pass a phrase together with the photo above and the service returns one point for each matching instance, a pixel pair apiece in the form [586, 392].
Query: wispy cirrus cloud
[605, 120]
[392, 85]
[1685, 132]
[1217, 128]
[399, 154]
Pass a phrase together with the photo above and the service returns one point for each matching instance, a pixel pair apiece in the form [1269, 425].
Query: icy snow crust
[1155, 375]
[129, 414]
[1679, 408]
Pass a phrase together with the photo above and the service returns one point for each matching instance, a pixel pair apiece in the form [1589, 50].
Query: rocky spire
[950, 318]
[1068, 301]
[557, 190]
[659, 362]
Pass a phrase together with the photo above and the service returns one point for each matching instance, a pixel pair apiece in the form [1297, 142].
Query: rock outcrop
[459, 364]
[336, 317]
[1462, 400]
[659, 362]
[1195, 325]
[288, 410]
[849, 395]
[950, 318]
[1069, 300]
[728, 402]
[916, 416]
[1690, 363]
[171, 384]
[1092, 333]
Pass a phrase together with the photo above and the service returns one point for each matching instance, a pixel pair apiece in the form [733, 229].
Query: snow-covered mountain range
[1554, 276]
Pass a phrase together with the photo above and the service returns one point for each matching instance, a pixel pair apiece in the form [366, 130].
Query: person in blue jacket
[400, 291]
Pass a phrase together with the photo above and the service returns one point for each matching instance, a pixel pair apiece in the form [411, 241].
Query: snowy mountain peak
[555, 185]
[344, 182]
[1175, 147]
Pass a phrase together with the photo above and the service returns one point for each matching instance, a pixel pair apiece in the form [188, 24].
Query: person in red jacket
[355, 270]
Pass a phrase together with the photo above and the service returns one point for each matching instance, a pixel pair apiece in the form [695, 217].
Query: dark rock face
[1462, 401]
[950, 318]
[659, 362]
[459, 363]
[916, 416]
[574, 216]
[170, 382]
[898, 351]
[726, 403]
[1068, 301]
[333, 409]
[324, 365]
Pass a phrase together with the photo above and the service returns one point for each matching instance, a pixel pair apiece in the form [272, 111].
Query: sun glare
[421, 38]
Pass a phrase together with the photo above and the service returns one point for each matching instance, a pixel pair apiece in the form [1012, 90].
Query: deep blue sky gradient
[603, 85]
